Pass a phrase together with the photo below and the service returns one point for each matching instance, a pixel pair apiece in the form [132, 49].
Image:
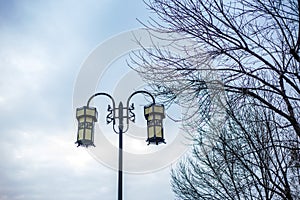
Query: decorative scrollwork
[109, 117]
[131, 114]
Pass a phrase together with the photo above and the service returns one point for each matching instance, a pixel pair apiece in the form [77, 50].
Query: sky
[43, 45]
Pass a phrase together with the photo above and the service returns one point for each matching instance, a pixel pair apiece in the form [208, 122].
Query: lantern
[154, 115]
[86, 116]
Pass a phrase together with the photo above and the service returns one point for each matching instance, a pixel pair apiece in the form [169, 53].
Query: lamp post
[87, 116]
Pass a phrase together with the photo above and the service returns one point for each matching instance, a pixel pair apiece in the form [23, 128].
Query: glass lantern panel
[148, 110]
[150, 132]
[80, 134]
[159, 109]
[81, 119]
[158, 131]
[88, 134]
[88, 119]
[80, 112]
[157, 116]
[90, 112]
[150, 117]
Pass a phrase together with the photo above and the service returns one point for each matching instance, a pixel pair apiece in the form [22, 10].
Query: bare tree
[254, 45]
[247, 51]
[250, 159]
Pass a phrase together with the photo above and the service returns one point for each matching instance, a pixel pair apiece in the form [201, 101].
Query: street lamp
[154, 115]
[87, 116]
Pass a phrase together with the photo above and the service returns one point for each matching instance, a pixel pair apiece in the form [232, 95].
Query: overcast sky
[42, 47]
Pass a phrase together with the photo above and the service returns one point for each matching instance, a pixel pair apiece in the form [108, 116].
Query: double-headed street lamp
[87, 116]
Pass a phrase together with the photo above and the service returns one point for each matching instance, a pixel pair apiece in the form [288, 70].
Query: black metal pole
[120, 179]
[120, 175]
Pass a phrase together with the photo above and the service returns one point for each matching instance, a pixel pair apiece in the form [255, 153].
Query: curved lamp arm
[129, 98]
[104, 94]
[113, 106]
[139, 92]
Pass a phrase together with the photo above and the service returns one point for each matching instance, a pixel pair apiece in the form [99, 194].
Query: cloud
[40, 55]
[39, 166]
[41, 51]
